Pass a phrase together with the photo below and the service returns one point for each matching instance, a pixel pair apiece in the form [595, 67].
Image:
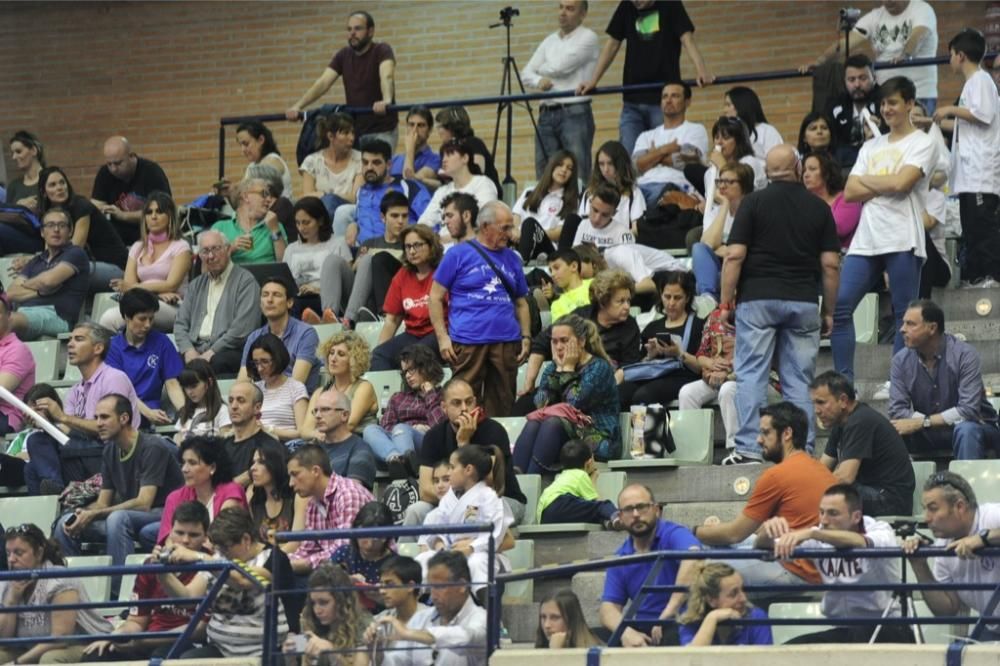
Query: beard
[642, 528]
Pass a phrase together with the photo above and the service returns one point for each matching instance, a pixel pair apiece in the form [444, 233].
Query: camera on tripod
[848, 17]
[507, 13]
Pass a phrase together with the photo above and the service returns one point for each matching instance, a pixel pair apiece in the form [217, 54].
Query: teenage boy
[889, 176]
[574, 291]
[403, 577]
[975, 156]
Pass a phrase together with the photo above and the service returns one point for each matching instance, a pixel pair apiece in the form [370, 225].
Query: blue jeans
[569, 127]
[101, 275]
[403, 439]
[636, 119]
[44, 462]
[858, 275]
[706, 266]
[345, 215]
[119, 531]
[386, 355]
[764, 327]
[651, 193]
[332, 203]
[930, 103]
[968, 440]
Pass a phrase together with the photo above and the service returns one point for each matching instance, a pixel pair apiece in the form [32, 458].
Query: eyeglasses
[406, 371]
[411, 247]
[53, 226]
[642, 507]
[946, 479]
[20, 530]
[209, 251]
[725, 181]
[262, 193]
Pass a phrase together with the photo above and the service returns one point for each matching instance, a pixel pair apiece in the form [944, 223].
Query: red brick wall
[163, 73]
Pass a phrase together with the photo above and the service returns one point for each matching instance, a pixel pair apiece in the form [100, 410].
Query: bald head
[119, 158]
[783, 163]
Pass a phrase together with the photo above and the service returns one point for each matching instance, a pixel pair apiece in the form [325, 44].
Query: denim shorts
[43, 320]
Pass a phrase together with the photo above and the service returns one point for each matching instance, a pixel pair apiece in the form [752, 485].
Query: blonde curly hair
[358, 353]
[344, 630]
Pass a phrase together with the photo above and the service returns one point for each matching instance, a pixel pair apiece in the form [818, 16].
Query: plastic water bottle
[384, 400]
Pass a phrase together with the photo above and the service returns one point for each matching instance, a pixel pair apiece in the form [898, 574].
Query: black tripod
[507, 88]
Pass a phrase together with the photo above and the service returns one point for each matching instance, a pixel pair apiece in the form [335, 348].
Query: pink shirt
[223, 493]
[159, 269]
[16, 359]
[846, 215]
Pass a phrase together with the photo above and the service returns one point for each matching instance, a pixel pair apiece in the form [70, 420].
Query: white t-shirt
[616, 233]
[712, 208]
[888, 35]
[975, 157]
[630, 208]
[481, 187]
[548, 211]
[410, 653]
[686, 132]
[767, 138]
[859, 571]
[894, 222]
[978, 569]
[329, 182]
[306, 261]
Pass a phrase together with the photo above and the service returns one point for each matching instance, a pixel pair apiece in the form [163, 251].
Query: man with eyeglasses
[52, 285]
[255, 235]
[648, 532]
[350, 456]
[221, 308]
[783, 253]
[122, 184]
[963, 525]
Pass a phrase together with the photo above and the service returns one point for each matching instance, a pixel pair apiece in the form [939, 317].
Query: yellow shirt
[571, 300]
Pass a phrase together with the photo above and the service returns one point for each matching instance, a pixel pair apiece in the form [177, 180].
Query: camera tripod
[510, 72]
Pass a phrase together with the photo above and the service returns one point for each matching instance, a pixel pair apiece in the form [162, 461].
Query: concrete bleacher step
[521, 621]
[960, 304]
[872, 362]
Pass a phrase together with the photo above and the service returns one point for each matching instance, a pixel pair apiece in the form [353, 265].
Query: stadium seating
[103, 302]
[693, 432]
[794, 610]
[381, 379]
[513, 425]
[41, 510]
[46, 355]
[982, 475]
[369, 332]
[609, 485]
[98, 588]
[325, 331]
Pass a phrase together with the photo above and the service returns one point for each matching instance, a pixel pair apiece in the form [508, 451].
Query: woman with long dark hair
[561, 623]
[816, 134]
[274, 506]
[742, 102]
[17, 234]
[305, 256]
[203, 412]
[541, 212]
[259, 148]
[333, 172]
[614, 168]
[822, 176]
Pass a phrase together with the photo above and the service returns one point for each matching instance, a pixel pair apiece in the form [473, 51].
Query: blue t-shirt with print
[480, 311]
[149, 365]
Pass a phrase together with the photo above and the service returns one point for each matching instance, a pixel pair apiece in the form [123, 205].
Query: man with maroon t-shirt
[189, 531]
[369, 70]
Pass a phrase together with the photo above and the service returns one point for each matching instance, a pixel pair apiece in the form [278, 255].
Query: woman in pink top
[208, 478]
[821, 176]
[158, 262]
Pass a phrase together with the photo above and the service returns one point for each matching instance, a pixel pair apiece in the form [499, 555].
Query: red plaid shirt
[341, 502]
[410, 408]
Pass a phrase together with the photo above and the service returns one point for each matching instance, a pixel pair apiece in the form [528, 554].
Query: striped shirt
[278, 410]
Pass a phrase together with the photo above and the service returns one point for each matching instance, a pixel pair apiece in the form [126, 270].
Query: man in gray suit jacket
[220, 309]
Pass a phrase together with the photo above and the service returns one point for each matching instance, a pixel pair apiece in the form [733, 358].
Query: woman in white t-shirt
[742, 102]
[258, 146]
[457, 164]
[333, 172]
[283, 411]
[203, 412]
[614, 168]
[735, 181]
[732, 144]
[541, 212]
[306, 255]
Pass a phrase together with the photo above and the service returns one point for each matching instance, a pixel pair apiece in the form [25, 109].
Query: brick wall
[164, 73]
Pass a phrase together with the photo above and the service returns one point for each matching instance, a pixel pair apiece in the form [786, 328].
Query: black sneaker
[398, 468]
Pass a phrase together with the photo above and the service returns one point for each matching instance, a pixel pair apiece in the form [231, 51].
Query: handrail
[223, 567]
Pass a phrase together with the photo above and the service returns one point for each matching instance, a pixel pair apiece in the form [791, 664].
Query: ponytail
[585, 330]
[498, 474]
[52, 552]
[704, 586]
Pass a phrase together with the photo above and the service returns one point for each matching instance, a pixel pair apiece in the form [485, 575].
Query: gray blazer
[237, 316]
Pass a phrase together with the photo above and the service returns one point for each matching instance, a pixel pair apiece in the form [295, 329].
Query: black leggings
[535, 241]
[384, 268]
[538, 446]
[662, 390]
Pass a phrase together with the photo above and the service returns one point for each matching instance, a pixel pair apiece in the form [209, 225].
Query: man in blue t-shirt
[487, 332]
[147, 356]
[418, 160]
[375, 156]
[648, 532]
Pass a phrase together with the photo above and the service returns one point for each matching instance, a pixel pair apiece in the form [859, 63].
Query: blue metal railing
[772, 75]
[659, 559]
[273, 656]
[182, 638]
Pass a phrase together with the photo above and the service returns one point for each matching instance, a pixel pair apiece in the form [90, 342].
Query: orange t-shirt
[792, 490]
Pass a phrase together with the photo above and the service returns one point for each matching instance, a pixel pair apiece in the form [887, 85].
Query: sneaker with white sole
[735, 458]
[705, 304]
[882, 393]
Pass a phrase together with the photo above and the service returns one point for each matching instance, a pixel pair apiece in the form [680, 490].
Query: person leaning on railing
[716, 595]
[28, 549]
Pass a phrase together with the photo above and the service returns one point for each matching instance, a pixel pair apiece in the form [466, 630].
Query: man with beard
[791, 490]
[459, 211]
[369, 71]
[648, 532]
[376, 156]
[849, 111]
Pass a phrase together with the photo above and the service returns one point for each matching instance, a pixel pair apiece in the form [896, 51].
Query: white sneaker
[882, 393]
[704, 304]
[735, 458]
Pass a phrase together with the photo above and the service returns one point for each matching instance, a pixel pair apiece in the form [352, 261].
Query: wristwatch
[927, 422]
[985, 536]
[275, 236]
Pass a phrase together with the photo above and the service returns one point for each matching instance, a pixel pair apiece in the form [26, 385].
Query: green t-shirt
[263, 247]
[571, 300]
[574, 482]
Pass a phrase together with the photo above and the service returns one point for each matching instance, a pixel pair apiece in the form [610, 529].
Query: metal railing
[772, 75]
[660, 558]
[182, 638]
[274, 656]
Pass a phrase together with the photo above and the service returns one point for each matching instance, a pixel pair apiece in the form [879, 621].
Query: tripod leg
[527, 105]
[501, 106]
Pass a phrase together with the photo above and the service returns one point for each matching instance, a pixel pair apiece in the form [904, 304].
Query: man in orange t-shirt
[790, 491]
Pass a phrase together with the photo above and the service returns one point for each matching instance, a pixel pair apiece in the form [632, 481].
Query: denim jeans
[345, 215]
[707, 268]
[636, 119]
[858, 275]
[101, 275]
[968, 440]
[567, 127]
[119, 531]
[403, 439]
[332, 203]
[763, 328]
[651, 193]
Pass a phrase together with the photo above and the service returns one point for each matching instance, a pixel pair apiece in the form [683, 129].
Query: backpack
[399, 495]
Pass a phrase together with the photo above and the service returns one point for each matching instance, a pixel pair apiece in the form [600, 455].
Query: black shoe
[398, 468]
[49, 487]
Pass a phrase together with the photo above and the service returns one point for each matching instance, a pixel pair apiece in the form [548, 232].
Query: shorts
[43, 320]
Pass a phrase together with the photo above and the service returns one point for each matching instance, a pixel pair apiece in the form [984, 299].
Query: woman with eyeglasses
[158, 262]
[91, 229]
[409, 413]
[735, 181]
[283, 412]
[27, 549]
[406, 300]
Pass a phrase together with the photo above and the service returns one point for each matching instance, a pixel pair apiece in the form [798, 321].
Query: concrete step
[521, 621]
[872, 362]
[959, 304]
[589, 586]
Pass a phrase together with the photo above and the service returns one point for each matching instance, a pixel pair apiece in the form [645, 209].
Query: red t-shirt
[363, 86]
[792, 490]
[166, 617]
[409, 297]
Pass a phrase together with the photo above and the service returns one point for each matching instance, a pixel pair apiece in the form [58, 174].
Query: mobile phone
[70, 521]
[300, 641]
[480, 414]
